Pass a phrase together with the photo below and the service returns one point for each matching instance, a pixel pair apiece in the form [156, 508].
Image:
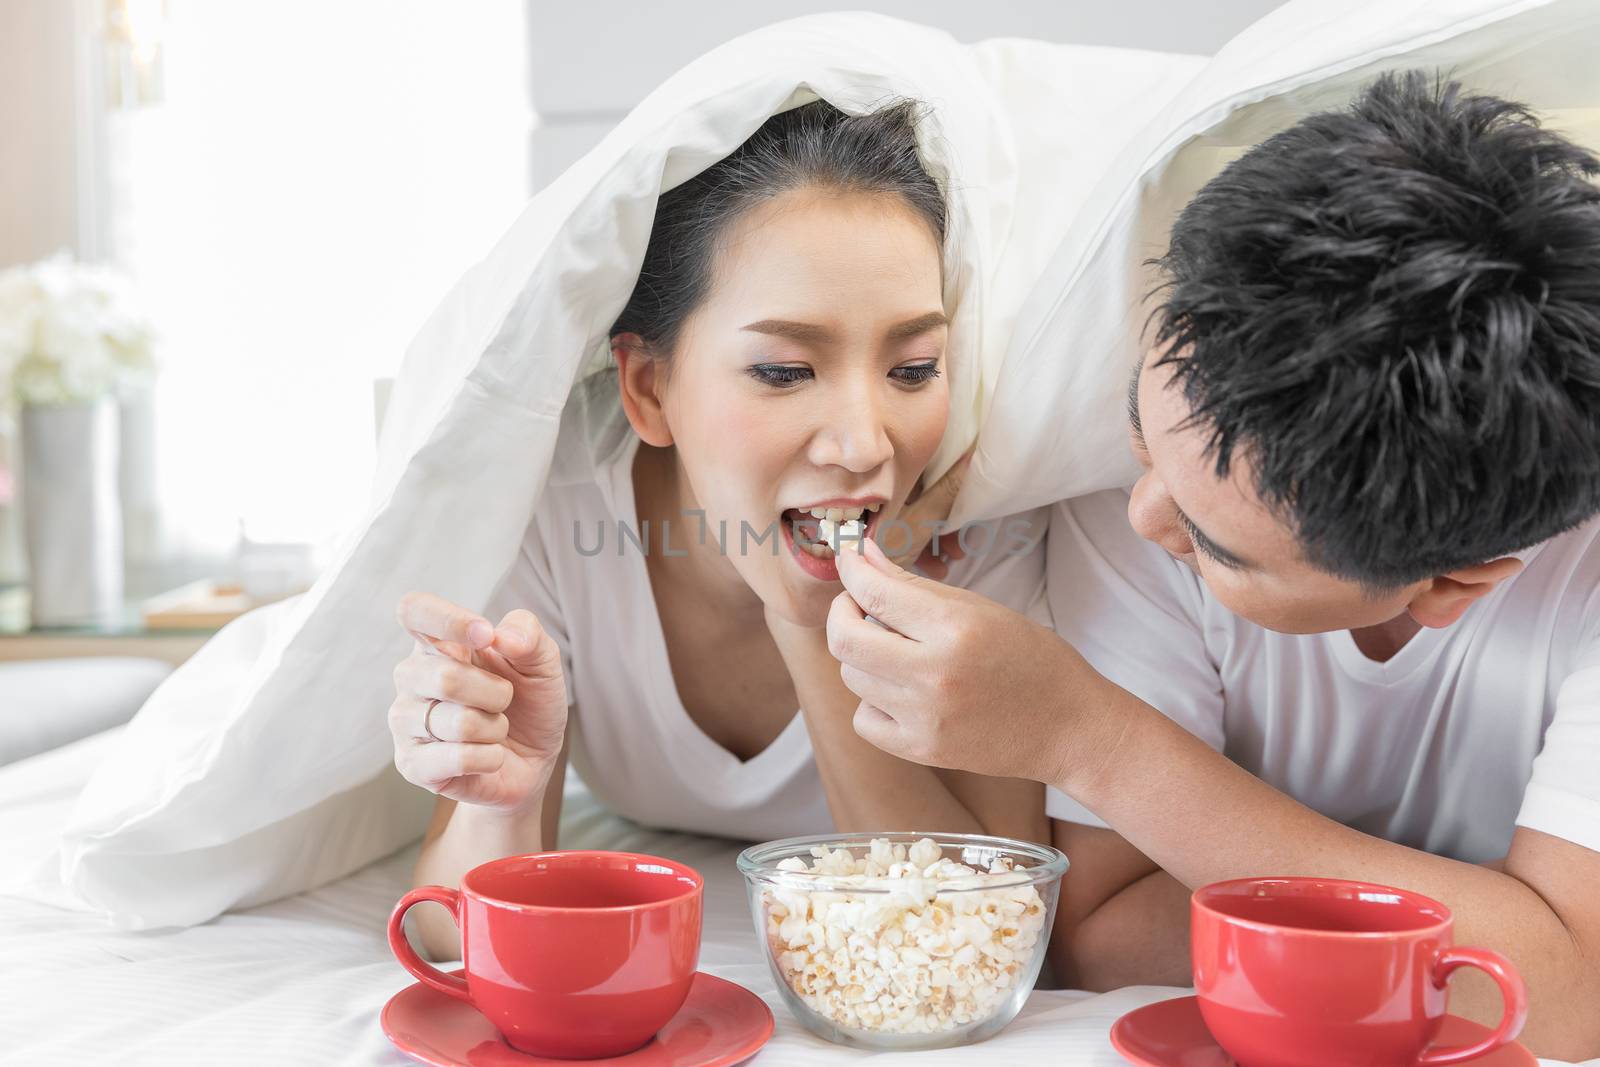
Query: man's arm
[1207, 820]
[958, 681]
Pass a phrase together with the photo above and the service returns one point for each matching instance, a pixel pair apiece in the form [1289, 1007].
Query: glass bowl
[903, 953]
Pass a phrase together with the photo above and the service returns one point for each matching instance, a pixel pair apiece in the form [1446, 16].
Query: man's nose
[1154, 516]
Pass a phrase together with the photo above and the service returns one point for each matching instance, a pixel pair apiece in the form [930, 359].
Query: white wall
[594, 60]
[589, 62]
[38, 110]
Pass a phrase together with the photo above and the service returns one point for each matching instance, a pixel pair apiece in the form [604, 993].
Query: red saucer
[1172, 1034]
[721, 1023]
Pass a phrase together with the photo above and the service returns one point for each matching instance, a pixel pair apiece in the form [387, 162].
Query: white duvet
[302, 980]
[262, 767]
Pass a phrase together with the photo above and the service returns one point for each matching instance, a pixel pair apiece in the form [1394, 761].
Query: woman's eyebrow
[921, 324]
[811, 333]
[794, 331]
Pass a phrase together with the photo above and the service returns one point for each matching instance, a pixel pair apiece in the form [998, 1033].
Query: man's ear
[1446, 598]
[641, 379]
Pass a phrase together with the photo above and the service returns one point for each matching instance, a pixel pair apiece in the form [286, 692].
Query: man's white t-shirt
[1466, 733]
[633, 742]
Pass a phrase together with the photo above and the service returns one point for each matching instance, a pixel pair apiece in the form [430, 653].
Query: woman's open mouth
[814, 535]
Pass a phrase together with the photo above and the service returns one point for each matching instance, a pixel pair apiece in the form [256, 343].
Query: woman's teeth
[834, 527]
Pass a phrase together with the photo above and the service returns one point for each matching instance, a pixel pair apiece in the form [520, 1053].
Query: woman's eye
[916, 373]
[779, 374]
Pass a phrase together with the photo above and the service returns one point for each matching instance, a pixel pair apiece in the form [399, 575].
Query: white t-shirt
[633, 742]
[1466, 733]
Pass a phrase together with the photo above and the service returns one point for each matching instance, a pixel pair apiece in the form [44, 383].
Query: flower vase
[71, 515]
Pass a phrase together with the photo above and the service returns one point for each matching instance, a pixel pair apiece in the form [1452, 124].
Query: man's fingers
[908, 603]
[876, 727]
[432, 618]
[856, 641]
[882, 693]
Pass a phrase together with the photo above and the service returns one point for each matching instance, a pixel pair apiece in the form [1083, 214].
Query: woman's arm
[461, 836]
[867, 789]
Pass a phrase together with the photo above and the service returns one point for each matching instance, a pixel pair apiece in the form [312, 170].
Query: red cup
[1314, 972]
[570, 954]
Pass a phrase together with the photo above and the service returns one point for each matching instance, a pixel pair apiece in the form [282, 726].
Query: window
[308, 181]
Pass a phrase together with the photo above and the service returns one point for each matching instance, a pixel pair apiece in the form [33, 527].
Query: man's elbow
[1569, 1030]
[1100, 956]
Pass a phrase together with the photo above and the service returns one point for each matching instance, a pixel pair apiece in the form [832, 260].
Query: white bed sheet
[302, 980]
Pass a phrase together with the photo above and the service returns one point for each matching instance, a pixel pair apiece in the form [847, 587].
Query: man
[1370, 431]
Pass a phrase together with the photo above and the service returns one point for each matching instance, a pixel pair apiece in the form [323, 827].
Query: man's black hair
[1392, 312]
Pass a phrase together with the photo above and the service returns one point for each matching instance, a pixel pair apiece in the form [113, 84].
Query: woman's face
[810, 379]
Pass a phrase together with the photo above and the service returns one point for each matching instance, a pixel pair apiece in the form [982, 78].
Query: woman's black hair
[815, 144]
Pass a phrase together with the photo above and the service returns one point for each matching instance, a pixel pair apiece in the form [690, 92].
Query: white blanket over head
[262, 767]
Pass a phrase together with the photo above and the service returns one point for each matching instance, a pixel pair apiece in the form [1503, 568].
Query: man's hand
[950, 678]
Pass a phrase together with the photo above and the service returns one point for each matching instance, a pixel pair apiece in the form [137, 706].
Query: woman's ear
[1446, 598]
[641, 379]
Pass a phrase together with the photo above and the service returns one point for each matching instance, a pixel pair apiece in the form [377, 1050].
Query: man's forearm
[1205, 819]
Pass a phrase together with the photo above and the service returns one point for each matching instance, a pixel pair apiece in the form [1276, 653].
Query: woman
[779, 368]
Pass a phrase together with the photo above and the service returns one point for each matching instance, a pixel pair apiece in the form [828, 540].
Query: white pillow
[262, 767]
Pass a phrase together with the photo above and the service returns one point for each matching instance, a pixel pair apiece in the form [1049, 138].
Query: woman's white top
[633, 742]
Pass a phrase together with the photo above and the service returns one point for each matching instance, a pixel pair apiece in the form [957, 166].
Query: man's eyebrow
[1133, 403]
[1203, 542]
[920, 324]
[795, 331]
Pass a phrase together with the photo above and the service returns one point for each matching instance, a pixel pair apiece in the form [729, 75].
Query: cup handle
[451, 984]
[1512, 991]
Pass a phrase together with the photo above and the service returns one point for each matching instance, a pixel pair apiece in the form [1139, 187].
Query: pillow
[1062, 383]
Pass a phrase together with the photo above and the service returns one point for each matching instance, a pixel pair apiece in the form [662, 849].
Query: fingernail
[480, 633]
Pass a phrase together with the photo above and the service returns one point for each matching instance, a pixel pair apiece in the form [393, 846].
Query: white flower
[70, 333]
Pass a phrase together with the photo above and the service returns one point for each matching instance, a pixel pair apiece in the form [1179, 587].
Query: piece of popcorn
[923, 853]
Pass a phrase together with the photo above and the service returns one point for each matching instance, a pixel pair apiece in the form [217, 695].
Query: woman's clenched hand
[493, 698]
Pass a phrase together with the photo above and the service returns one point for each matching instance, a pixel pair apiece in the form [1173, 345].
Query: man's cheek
[1231, 592]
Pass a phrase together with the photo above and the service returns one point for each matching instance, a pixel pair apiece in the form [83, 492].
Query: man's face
[1245, 554]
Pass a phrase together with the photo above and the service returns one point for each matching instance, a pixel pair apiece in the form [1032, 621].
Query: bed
[302, 980]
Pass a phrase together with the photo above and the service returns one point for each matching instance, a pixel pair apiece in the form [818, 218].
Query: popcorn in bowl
[903, 940]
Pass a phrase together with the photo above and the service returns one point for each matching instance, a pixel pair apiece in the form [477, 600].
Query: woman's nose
[855, 438]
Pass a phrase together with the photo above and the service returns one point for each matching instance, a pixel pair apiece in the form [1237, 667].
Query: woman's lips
[821, 566]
